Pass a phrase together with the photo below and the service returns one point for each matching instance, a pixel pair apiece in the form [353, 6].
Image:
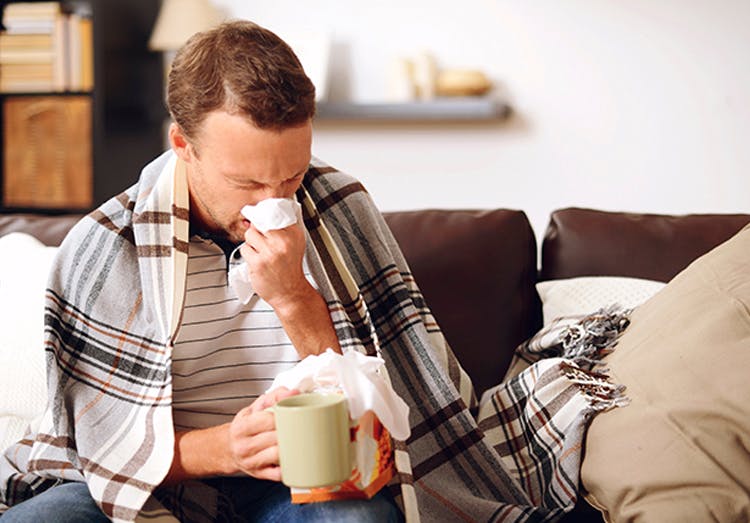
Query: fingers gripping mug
[314, 442]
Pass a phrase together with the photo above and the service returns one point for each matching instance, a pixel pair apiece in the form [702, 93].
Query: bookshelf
[75, 135]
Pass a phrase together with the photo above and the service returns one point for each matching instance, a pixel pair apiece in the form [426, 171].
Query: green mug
[314, 443]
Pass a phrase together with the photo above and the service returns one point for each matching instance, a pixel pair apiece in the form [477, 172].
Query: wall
[636, 105]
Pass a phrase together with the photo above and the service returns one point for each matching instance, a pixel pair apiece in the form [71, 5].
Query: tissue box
[376, 413]
[372, 453]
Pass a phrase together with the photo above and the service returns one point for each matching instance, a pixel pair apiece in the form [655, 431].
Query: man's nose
[277, 191]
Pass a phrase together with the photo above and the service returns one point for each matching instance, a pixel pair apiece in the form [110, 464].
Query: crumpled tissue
[360, 379]
[267, 215]
[273, 213]
[376, 413]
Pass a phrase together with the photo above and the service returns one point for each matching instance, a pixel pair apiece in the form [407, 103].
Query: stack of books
[45, 49]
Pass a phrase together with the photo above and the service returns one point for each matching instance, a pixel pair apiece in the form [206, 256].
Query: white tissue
[358, 377]
[273, 213]
[267, 215]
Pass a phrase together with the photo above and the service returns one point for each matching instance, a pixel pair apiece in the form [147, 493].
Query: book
[30, 17]
[74, 52]
[15, 10]
[15, 41]
[25, 85]
[87, 53]
[25, 56]
[26, 77]
[27, 70]
[61, 61]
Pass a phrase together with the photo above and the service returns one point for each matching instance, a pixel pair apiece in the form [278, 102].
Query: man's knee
[66, 503]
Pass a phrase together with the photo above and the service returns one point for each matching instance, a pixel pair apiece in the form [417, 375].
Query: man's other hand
[252, 437]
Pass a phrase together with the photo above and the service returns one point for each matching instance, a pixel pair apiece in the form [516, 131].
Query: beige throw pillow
[681, 450]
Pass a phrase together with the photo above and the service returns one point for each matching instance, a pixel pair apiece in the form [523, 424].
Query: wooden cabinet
[48, 152]
[72, 148]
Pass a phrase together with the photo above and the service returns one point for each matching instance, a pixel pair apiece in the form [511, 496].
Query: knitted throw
[113, 307]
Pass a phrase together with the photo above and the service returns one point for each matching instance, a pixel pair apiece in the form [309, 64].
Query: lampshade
[178, 20]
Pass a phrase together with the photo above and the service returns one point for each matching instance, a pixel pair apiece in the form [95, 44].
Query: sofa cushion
[477, 271]
[587, 294]
[586, 242]
[24, 266]
[679, 451]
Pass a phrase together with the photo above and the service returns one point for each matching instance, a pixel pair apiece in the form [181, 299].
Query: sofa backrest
[586, 242]
[50, 230]
[477, 271]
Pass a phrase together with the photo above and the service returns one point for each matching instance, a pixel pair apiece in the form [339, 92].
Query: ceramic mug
[314, 442]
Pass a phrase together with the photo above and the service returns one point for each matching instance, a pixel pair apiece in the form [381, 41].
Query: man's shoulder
[113, 216]
[326, 181]
[116, 215]
[323, 172]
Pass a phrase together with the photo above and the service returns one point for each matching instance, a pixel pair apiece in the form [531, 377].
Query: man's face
[232, 163]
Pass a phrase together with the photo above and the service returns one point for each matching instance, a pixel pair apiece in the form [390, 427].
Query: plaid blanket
[538, 416]
[113, 308]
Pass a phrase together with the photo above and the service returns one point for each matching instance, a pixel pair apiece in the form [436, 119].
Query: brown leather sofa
[478, 269]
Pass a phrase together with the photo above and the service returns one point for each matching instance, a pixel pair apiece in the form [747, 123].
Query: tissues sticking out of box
[376, 413]
[267, 215]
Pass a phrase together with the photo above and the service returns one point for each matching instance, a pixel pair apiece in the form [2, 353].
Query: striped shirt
[226, 354]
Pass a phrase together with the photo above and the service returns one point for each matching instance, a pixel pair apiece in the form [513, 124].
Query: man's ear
[179, 143]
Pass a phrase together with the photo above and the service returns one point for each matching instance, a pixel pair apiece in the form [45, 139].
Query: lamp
[178, 20]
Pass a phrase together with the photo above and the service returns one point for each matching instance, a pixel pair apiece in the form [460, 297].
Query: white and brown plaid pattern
[114, 304]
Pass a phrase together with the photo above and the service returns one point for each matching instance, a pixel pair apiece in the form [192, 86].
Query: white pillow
[587, 294]
[24, 266]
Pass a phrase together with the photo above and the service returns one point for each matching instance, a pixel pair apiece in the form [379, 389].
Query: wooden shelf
[46, 93]
[441, 109]
[124, 120]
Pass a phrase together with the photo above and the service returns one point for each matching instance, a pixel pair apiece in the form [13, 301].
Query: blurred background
[635, 106]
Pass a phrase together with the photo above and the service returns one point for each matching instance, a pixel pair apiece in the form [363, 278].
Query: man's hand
[247, 444]
[274, 260]
[252, 437]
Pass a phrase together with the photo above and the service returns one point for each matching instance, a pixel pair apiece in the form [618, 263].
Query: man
[157, 370]
[242, 132]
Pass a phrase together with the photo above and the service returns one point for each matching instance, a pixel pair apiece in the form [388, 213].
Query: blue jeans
[252, 500]
[270, 501]
[66, 503]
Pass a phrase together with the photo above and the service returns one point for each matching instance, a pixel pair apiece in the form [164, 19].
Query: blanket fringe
[584, 343]
[596, 387]
[589, 339]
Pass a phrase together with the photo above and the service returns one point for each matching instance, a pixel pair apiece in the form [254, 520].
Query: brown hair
[244, 69]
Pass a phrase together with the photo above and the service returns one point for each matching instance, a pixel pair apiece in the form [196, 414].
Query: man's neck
[226, 245]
